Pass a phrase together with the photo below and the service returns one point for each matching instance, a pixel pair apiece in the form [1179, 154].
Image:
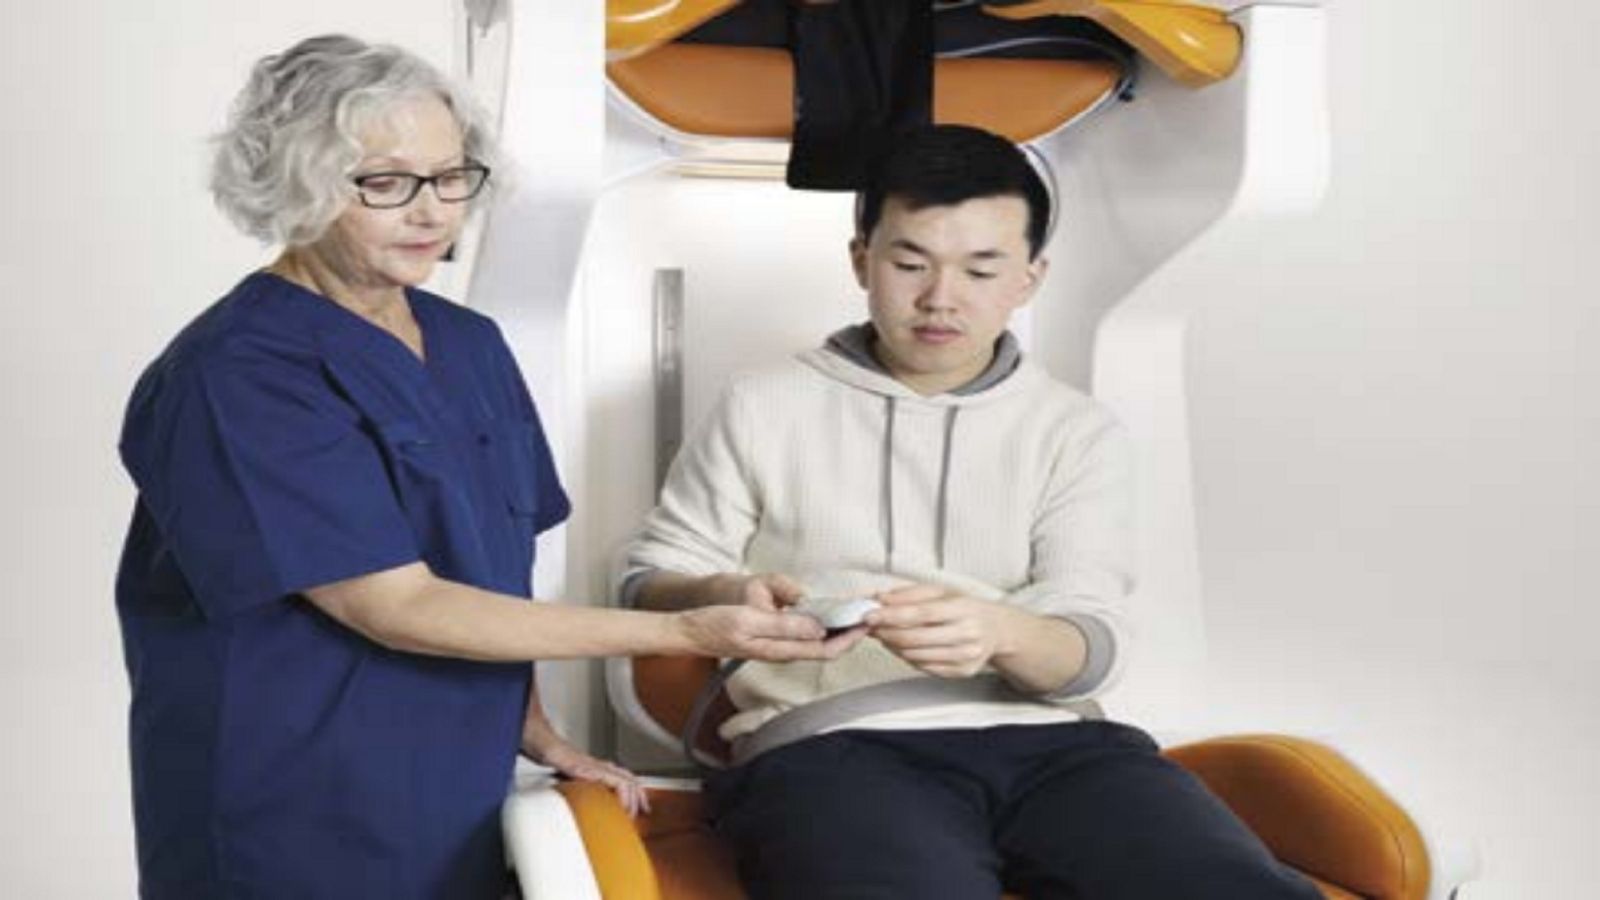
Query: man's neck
[929, 384]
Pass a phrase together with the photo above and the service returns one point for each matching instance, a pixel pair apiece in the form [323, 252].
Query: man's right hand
[765, 591]
[750, 632]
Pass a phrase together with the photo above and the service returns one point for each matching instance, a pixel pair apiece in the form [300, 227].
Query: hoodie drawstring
[944, 481]
[886, 496]
[886, 478]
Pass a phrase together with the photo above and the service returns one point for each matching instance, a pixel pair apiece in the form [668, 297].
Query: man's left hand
[940, 631]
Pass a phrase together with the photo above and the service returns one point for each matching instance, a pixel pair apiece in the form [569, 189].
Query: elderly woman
[324, 589]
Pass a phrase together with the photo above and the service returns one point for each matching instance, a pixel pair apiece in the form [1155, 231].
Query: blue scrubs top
[282, 442]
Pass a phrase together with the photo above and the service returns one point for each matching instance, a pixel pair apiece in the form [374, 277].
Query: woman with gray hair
[324, 589]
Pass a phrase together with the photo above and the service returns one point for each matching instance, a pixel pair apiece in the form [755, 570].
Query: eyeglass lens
[390, 189]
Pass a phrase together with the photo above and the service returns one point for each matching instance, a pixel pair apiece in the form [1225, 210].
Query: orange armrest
[1315, 811]
[622, 867]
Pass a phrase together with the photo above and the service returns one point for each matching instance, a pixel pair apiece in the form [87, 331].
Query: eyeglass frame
[418, 181]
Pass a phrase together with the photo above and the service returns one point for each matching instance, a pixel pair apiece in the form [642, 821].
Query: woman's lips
[422, 248]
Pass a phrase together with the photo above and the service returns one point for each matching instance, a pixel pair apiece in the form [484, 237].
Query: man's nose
[940, 293]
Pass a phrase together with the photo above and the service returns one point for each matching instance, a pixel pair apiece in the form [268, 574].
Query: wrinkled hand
[748, 632]
[765, 591]
[938, 630]
[554, 751]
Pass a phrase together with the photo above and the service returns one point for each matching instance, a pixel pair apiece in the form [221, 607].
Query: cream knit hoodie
[828, 470]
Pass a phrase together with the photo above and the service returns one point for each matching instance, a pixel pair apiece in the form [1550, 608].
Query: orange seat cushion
[748, 92]
[1316, 810]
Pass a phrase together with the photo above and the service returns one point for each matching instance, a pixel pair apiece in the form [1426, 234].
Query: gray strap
[697, 716]
[841, 709]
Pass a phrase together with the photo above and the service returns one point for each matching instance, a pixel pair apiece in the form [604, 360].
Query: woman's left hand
[555, 752]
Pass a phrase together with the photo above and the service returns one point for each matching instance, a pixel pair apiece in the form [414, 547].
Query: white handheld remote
[836, 614]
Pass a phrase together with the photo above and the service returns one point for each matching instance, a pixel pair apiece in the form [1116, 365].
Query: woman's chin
[411, 273]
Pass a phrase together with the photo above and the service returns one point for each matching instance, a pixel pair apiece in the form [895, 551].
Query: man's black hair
[944, 165]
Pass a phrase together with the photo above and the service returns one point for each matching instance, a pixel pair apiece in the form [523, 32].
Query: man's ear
[858, 260]
[1037, 267]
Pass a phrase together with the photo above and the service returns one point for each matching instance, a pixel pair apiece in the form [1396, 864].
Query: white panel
[553, 127]
[543, 843]
[1183, 183]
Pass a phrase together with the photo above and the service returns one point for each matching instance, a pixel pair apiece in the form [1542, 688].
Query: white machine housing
[1161, 198]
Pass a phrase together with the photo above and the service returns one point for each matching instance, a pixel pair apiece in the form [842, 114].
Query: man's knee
[889, 855]
[840, 820]
[1224, 876]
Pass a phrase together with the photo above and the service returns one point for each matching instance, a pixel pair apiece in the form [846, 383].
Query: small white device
[836, 614]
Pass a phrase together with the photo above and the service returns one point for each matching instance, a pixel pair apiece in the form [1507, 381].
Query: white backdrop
[108, 244]
[1395, 432]
[1391, 411]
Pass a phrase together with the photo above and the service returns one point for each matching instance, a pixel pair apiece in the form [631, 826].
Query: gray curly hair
[282, 168]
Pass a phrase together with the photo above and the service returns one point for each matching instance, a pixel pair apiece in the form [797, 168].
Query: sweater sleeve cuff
[1100, 651]
[633, 582]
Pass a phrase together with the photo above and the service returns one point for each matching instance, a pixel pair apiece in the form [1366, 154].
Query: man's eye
[981, 276]
[907, 267]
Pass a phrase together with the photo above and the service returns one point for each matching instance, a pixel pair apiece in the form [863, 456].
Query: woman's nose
[426, 208]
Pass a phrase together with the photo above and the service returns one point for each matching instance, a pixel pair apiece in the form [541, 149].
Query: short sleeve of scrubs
[552, 505]
[262, 477]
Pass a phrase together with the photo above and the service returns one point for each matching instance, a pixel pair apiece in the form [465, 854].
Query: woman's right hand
[763, 591]
[748, 632]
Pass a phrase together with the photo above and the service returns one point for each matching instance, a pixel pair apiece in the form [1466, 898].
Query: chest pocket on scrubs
[420, 467]
[514, 446]
[409, 448]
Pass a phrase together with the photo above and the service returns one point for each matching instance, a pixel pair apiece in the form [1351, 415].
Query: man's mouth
[935, 334]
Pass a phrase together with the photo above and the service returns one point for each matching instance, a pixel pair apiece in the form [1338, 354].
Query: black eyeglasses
[390, 190]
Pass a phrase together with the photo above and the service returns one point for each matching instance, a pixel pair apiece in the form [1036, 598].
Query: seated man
[920, 460]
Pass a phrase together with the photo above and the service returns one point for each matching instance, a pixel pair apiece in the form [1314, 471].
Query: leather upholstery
[616, 851]
[1194, 43]
[667, 685]
[636, 26]
[748, 92]
[1316, 811]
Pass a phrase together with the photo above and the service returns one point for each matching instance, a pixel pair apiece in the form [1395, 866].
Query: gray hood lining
[855, 342]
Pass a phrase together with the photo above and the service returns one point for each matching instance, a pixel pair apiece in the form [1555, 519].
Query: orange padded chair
[697, 90]
[1313, 808]
[747, 92]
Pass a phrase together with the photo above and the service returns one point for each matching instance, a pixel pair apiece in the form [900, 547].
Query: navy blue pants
[1087, 810]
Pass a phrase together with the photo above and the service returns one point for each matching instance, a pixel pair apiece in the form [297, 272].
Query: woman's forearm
[411, 609]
